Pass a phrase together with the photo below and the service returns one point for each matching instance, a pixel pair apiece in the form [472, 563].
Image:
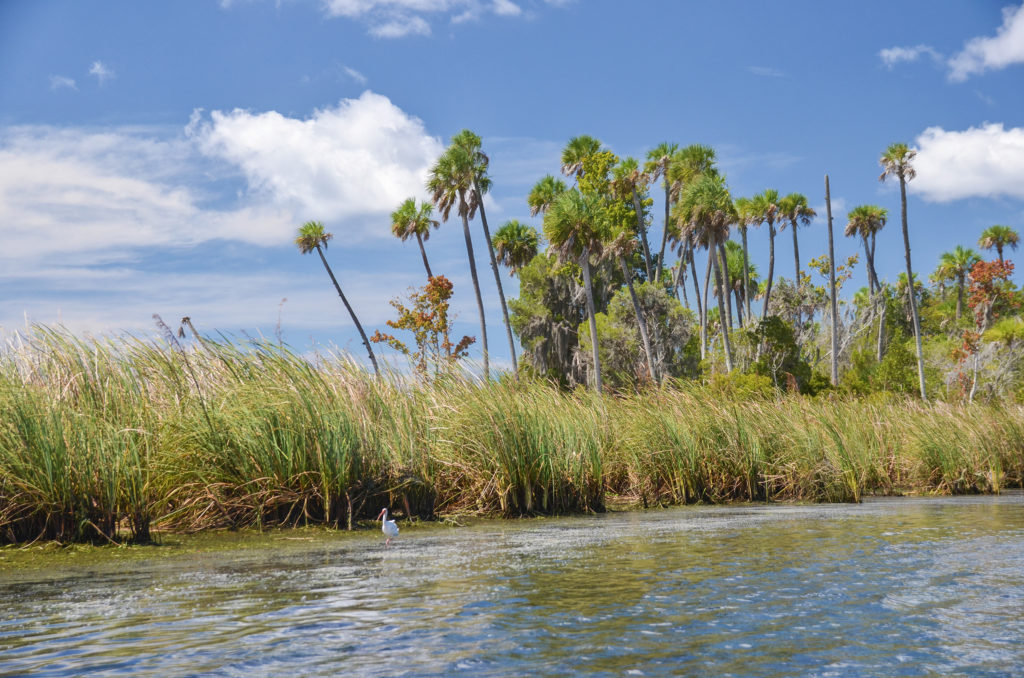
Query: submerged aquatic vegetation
[105, 440]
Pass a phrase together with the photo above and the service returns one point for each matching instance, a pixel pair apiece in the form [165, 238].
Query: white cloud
[985, 161]
[986, 53]
[62, 82]
[102, 72]
[894, 55]
[507, 8]
[361, 158]
[400, 18]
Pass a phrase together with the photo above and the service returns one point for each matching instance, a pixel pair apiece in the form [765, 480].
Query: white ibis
[388, 527]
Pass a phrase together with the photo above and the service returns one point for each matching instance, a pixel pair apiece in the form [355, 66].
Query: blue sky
[158, 157]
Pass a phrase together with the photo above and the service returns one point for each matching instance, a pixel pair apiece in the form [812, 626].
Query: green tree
[659, 159]
[794, 209]
[746, 215]
[765, 209]
[628, 184]
[452, 184]
[866, 221]
[516, 244]
[896, 161]
[956, 265]
[575, 228]
[544, 193]
[411, 221]
[706, 211]
[998, 237]
[481, 185]
[312, 236]
[620, 247]
[575, 152]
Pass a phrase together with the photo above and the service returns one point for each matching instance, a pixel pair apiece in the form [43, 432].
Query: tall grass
[105, 440]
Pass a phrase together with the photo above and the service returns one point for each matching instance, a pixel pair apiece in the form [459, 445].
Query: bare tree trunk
[726, 283]
[355, 320]
[880, 349]
[796, 254]
[479, 299]
[704, 322]
[696, 284]
[593, 319]
[832, 286]
[959, 295]
[497, 281]
[680, 283]
[910, 285]
[640, 321]
[423, 253]
[664, 235]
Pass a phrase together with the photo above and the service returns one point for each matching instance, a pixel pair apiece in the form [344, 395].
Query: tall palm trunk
[497, 281]
[696, 284]
[640, 321]
[741, 317]
[726, 282]
[705, 319]
[719, 284]
[593, 320]
[832, 286]
[642, 230]
[423, 253]
[746, 273]
[664, 234]
[910, 285]
[960, 282]
[679, 283]
[880, 346]
[796, 254]
[771, 270]
[355, 320]
[476, 289]
[872, 282]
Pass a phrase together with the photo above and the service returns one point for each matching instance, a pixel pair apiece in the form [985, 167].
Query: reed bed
[107, 440]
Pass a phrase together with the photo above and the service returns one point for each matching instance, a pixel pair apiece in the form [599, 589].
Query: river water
[890, 587]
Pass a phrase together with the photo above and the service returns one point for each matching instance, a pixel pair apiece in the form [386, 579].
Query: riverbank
[107, 440]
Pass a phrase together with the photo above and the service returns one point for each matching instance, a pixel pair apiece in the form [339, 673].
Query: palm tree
[544, 193]
[311, 236]
[895, 161]
[707, 212]
[794, 208]
[659, 159]
[576, 231]
[866, 221]
[516, 244]
[451, 184]
[627, 184]
[481, 184]
[746, 215]
[621, 247]
[956, 265]
[408, 221]
[998, 237]
[575, 152]
[742, 276]
[765, 208]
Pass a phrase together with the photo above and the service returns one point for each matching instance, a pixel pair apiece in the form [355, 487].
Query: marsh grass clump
[108, 440]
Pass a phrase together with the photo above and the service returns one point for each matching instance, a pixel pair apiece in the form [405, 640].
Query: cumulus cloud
[895, 55]
[62, 82]
[986, 161]
[102, 72]
[507, 8]
[360, 158]
[987, 53]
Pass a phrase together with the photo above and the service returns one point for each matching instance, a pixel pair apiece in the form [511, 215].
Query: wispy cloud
[400, 26]
[766, 71]
[986, 161]
[991, 53]
[355, 75]
[896, 55]
[102, 72]
[62, 82]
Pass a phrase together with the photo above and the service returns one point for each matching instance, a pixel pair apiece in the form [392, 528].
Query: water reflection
[889, 587]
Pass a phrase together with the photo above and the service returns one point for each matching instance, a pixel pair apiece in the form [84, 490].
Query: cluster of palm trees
[601, 215]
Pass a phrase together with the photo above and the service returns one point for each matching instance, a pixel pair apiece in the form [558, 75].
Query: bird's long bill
[381, 514]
